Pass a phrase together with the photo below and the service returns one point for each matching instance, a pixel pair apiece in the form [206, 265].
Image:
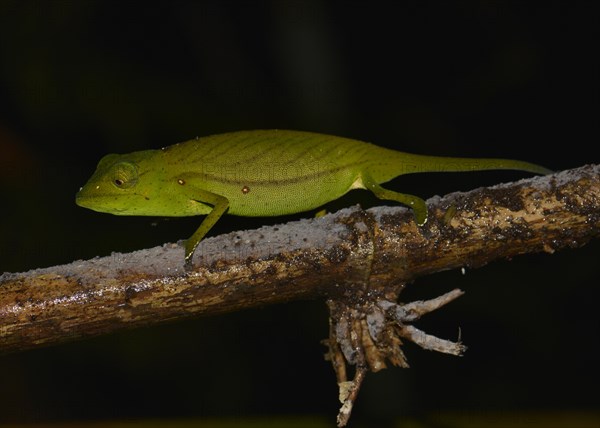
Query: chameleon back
[269, 173]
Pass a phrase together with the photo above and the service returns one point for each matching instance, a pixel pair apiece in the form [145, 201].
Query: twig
[348, 394]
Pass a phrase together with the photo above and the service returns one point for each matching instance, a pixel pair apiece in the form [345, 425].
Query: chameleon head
[115, 187]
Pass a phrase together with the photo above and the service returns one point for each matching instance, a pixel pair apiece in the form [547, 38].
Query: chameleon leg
[320, 213]
[417, 204]
[220, 205]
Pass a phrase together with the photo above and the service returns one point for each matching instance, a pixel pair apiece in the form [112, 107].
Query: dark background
[466, 78]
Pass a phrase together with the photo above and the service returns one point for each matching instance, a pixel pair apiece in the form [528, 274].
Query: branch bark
[339, 257]
[358, 261]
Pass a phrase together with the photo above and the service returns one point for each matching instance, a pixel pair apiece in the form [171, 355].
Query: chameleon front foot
[220, 205]
[187, 264]
[190, 247]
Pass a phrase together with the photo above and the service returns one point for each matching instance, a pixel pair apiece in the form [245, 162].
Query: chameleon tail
[399, 163]
[418, 163]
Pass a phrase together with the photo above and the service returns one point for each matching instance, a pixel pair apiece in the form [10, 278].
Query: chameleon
[259, 173]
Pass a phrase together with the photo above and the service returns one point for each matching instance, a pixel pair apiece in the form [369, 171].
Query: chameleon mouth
[95, 204]
[106, 203]
[82, 201]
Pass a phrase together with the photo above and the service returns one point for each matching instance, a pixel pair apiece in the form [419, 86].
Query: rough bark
[358, 261]
[379, 250]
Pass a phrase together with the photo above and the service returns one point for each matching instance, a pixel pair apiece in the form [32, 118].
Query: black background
[463, 78]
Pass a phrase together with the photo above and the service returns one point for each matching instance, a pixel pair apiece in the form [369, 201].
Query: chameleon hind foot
[417, 204]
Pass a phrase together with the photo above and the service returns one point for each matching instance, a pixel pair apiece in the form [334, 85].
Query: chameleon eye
[124, 175]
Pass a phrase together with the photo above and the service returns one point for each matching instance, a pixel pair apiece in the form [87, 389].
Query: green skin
[259, 173]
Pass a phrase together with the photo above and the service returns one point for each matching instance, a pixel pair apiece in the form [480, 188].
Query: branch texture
[338, 257]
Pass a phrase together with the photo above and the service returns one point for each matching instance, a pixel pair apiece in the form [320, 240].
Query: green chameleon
[259, 173]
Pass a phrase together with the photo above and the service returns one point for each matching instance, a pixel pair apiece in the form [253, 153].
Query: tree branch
[327, 257]
[358, 260]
